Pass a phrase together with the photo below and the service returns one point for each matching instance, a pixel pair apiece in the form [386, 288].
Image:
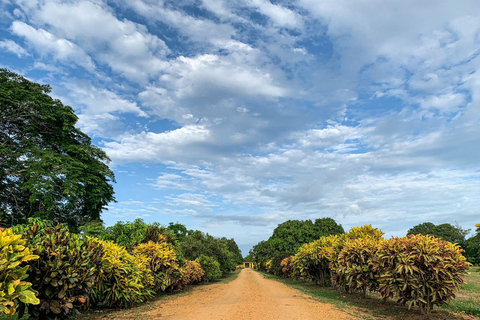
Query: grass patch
[465, 306]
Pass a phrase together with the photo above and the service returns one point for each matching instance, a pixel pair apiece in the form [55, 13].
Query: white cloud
[46, 43]
[14, 48]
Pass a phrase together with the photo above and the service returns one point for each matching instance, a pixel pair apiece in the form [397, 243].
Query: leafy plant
[420, 270]
[162, 261]
[312, 261]
[124, 279]
[64, 273]
[363, 232]
[13, 271]
[356, 265]
[287, 268]
[192, 272]
[211, 267]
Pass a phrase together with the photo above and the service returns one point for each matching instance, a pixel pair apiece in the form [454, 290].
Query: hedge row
[418, 270]
[52, 273]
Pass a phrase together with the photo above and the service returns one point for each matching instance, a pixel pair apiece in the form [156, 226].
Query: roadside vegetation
[419, 272]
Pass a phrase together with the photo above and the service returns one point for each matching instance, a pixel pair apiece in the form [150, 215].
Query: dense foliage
[312, 261]
[65, 271]
[420, 270]
[211, 267]
[163, 262]
[48, 168]
[192, 272]
[446, 231]
[417, 270]
[123, 279]
[355, 265]
[13, 272]
[288, 237]
[224, 251]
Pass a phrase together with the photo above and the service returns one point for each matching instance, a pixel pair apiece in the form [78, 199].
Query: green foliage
[356, 266]
[446, 231]
[124, 279]
[224, 251]
[312, 261]
[364, 232]
[48, 168]
[420, 270]
[13, 271]
[192, 272]
[211, 267]
[162, 261]
[64, 273]
[130, 234]
[289, 236]
[287, 267]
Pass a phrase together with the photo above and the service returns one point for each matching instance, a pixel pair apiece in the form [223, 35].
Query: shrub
[211, 267]
[312, 261]
[365, 231]
[162, 261]
[286, 265]
[124, 279]
[420, 270]
[64, 273]
[268, 266]
[13, 271]
[356, 265]
[193, 272]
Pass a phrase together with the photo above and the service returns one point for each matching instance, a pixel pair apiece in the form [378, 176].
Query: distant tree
[446, 231]
[223, 250]
[179, 230]
[472, 247]
[290, 235]
[48, 168]
[422, 228]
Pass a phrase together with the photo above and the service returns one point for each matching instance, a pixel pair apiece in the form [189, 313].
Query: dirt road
[250, 296]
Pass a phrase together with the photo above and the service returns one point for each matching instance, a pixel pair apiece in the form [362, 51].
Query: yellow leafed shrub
[193, 272]
[163, 262]
[13, 272]
[420, 270]
[356, 265]
[124, 279]
[312, 261]
[286, 265]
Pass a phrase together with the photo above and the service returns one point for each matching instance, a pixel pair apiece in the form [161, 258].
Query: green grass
[467, 301]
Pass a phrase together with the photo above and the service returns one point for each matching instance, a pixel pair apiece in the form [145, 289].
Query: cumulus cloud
[48, 44]
[13, 47]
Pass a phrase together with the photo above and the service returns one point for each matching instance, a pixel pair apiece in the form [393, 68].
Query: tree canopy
[288, 236]
[446, 231]
[48, 168]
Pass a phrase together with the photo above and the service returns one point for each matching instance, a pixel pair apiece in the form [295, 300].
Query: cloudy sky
[231, 116]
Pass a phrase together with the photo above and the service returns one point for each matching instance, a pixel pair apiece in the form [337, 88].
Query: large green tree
[446, 231]
[290, 235]
[48, 168]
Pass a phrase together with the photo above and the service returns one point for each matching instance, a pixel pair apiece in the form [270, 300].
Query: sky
[232, 116]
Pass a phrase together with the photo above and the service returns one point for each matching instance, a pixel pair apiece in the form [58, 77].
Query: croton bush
[356, 265]
[312, 261]
[162, 261]
[65, 272]
[192, 272]
[420, 270]
[287, 269]
[123, 279]
[14, 256]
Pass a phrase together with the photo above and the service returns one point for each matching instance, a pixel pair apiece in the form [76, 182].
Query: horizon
[231, 117]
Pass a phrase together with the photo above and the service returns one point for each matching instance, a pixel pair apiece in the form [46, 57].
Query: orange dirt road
[249, 297]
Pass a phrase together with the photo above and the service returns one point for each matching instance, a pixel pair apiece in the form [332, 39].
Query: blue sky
[234, 116]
